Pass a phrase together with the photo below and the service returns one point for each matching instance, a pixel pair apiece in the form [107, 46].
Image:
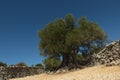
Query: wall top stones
[110, 55]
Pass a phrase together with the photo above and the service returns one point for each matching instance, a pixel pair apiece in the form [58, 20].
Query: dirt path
[91, 73]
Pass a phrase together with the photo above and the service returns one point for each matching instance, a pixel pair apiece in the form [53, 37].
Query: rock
[17, 72]
[58, 71]
[110, 55]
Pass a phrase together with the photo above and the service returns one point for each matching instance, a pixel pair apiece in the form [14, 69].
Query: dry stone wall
[109, 56]
[17, 72]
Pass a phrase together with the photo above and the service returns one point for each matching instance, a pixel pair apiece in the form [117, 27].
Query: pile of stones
[110, 55]
[17, 72]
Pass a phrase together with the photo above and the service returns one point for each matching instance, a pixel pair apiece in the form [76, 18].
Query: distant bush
[3, 64]
[39, 65]
[21, 64]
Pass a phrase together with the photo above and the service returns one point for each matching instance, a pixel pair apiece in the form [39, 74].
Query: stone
[17, 72]
[58, 71]
[109, 55]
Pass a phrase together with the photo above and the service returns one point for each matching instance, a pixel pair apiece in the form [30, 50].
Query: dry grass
[91, 73]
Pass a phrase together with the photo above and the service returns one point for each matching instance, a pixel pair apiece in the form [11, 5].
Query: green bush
[79, 57]
[39, 65]
[21, 64]
[3, 64]
[51, 63]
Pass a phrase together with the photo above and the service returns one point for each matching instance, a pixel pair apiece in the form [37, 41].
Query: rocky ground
[90, 73]
[110, 55]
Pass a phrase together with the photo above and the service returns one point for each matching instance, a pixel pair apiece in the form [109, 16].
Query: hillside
[90, 73]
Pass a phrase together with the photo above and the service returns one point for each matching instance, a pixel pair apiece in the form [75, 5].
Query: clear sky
[20, 21]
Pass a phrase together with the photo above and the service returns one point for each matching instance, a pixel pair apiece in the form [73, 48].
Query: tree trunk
[64, 61]
[73, 61]
[69, 61]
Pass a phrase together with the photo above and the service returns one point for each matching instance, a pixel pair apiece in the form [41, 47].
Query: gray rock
[109, 56]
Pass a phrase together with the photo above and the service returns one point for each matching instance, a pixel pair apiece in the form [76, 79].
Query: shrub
[52, 63]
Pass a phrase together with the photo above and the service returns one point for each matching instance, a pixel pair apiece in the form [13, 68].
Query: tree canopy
[63, 38]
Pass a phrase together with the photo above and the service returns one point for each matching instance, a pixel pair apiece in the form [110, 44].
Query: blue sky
[20, 21]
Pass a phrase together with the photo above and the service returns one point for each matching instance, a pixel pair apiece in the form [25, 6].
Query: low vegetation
[3, 64]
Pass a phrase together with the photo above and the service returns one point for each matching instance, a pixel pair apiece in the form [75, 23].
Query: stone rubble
[17, 72]
[109, 56]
